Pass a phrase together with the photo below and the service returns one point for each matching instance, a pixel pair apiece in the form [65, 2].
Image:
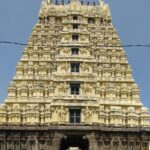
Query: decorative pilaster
[115, 144]
[33, 143]
[9, 142]
[16, 144]
[124, 143]
[56, 141]
[2, 143]
[93, 143]
[23, 142]
[145, 142]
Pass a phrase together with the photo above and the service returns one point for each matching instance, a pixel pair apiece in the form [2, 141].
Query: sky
[131, 18]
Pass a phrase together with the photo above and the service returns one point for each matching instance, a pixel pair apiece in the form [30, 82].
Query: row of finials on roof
[63, 2]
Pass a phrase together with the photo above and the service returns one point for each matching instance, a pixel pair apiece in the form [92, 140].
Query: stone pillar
[16, 145]
[33, 143]
[130, 145]
[115, 143]
[36, 146]
[131, 142]
[45, 141]
[48, 145]
[2, 145]
[123, 144]
[100, 145]
[93, 143]
[23, 143]
[56, 141]
[115, 146]
[145, 143]
[147, 146]
[137, 144]
[107, 144]
[42, 144]
[9, 143]
[120, 144]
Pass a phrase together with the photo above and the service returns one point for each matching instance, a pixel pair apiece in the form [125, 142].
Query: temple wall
[41, 139]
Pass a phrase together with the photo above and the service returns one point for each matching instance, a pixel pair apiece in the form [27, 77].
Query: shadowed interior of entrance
[74, 141]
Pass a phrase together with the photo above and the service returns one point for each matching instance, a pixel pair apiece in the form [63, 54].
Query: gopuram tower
[73, 88]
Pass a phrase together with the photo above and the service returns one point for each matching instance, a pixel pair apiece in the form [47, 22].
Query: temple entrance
[75, 142]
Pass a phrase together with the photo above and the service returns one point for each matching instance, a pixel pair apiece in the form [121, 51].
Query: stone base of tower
[73, 137]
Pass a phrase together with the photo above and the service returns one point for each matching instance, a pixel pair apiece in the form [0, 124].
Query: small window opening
[75, 67]
[75, 26]
[75, 51]
[75, 17]
[75, 37]
[75, 115]
[91, 20]
[58, 20]
[101, 20]
[75, 88]
[108, 21]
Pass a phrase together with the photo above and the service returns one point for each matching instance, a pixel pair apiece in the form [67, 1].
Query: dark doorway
[74, 141]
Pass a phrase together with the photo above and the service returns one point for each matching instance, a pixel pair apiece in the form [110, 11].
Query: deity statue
[62, 113]
[86, 88]
[64, 67]
[86, 68]
[62, 88]
[87, 114]
[83, 51]
[66, 51]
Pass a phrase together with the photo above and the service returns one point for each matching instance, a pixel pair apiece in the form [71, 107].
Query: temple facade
[73, 88]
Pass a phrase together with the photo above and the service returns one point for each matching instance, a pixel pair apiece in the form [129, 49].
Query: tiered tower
[74, 72]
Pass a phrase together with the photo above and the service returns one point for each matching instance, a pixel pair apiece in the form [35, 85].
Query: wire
[14, 43]
[131, 45]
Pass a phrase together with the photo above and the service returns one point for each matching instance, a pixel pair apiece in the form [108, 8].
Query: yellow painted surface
[40, 90]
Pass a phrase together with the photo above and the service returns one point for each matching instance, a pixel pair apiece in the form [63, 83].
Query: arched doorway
[74, 141]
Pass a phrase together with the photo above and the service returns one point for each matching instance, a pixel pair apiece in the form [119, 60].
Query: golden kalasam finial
[101, 2]
[48, 1]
